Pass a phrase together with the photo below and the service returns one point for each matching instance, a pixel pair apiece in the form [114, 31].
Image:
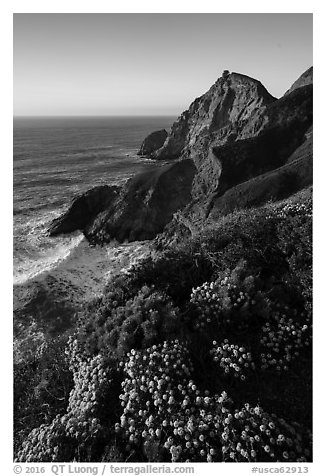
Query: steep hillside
[272, 186]
[305, 79]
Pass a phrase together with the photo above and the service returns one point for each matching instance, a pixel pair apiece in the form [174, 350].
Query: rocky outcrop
[137, 211]
[233, 108]
[151, 143]
[146, 204]
[84, 209]
[305, 79]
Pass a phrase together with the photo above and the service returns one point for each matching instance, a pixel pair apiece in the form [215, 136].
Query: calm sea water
[56, 159]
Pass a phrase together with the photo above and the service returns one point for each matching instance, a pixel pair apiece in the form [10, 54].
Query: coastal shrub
[234, 360]
[148, 317]
[175, 271]
[283, 339]
[303, 209]
[41, 387]
[166, 417]
[81, 432]
[233, 301]
[261, 236]
[250, 434]
[295, 232]
[249, 235]
[295, 241]
[43, 444]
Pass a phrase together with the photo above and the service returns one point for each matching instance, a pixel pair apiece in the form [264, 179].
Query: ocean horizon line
[25, 116]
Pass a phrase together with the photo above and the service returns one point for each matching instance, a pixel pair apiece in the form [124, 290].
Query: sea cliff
[232, 145]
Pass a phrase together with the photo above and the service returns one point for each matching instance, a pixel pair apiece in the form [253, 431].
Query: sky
[149, 64]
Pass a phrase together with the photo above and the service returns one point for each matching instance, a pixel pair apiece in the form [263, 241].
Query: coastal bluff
[235, 146]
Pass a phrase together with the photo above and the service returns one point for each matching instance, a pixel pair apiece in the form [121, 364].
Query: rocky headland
[235, 146]
[84, 209]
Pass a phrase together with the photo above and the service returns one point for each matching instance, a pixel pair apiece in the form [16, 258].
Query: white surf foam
[47, 260]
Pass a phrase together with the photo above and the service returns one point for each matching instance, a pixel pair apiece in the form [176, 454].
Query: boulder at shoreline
[153, 142]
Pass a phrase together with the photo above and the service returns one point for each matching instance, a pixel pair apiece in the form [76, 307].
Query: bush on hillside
[148, 317]
[82, 430]
[175, 271]
[41, 387]
[166, 417]
[232, 302]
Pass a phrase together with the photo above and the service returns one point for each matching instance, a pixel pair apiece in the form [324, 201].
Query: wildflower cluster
[44, 443]
[295, 209]
[233, 359]
[282, 339]
[92, 381]
[166, 416]
[165, 411]
[206, 299]
[80, 426]
[230, 300]
[250, 434]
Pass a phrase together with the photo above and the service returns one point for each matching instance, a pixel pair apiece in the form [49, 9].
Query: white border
[168, 6]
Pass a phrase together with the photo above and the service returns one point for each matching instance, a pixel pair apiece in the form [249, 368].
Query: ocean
[56, 159]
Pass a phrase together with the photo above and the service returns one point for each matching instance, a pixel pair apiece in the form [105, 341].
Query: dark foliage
[141, 321]
[41, 387]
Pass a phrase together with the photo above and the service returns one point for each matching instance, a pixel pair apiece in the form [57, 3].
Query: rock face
[154, 141]
[305, 79]
[83, 209]
[145, 205]
[233, 108]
